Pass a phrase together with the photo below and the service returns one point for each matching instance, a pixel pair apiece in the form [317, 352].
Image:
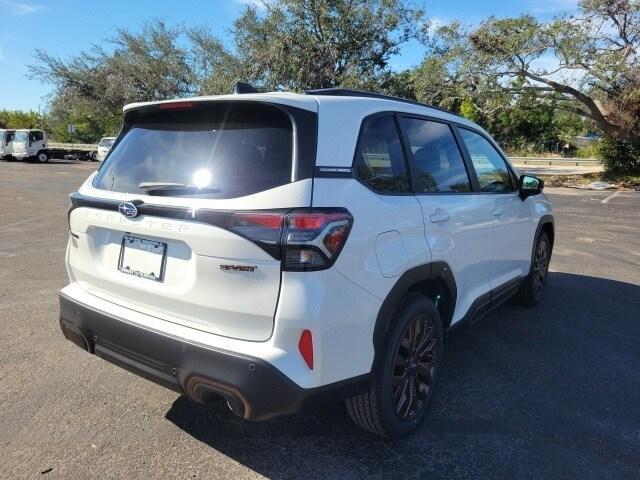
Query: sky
[66, 27]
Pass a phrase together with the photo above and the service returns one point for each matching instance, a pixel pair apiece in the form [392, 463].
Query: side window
[436, 157]
[493, 173]
[36, 136]
[379, 158]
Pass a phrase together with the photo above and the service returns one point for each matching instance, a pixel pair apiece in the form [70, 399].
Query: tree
[301, 44]
[20, 119]
[92, 87]
[588, 62]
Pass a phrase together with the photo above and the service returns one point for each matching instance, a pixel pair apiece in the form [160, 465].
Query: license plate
[142, 258]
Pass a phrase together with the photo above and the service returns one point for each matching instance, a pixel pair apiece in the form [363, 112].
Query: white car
[274, 248]
[103, 148]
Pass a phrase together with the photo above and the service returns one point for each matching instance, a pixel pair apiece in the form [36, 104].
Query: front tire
[42, 157]
[405, 373]
[532, 289]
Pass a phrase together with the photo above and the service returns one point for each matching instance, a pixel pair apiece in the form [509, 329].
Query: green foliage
[92, 87]
[19, 119]
[590, 151]
[468, 110]
[589, 63]
[620, 157]
[297, 44]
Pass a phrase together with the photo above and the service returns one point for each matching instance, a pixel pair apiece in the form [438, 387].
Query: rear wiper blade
[151, 187]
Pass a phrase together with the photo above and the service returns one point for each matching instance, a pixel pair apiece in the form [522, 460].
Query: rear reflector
[305, 345]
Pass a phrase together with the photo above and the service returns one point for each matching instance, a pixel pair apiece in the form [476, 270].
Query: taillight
[263, 228]
[313, 239]
[303, 239]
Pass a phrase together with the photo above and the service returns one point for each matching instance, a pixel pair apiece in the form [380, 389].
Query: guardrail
[578, 162]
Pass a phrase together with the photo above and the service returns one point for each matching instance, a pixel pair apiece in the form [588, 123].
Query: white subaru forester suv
[277, 248]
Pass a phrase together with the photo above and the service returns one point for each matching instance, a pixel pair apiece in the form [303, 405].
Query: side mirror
[529, 185]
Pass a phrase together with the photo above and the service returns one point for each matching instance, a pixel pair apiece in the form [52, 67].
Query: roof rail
[347, 92]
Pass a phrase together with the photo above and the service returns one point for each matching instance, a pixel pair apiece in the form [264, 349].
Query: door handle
[439, 217]
[497, 212]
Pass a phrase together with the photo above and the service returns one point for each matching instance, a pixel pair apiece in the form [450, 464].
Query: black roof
[347, 92]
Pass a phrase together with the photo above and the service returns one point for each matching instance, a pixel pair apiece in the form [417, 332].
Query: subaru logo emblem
[128, 209]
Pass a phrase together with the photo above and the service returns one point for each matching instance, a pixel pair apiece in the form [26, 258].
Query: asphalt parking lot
[548, 392]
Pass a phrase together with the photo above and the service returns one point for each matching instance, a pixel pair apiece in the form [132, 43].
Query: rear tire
[405, 373]
[42, 157]
[532, 289]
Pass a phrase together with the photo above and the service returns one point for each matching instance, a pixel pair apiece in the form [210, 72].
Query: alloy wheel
[414, 367]
[541, 267]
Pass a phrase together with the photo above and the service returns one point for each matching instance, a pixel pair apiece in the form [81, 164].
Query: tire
[42, 157]
[93, 156]
[532, 289]
[381, 410]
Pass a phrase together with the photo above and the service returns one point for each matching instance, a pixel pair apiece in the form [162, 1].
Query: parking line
[613, 195]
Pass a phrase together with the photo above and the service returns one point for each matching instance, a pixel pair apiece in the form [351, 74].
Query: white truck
[33, 144]
[6, 142]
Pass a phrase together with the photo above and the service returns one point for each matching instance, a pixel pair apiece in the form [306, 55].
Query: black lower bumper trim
[254, 389]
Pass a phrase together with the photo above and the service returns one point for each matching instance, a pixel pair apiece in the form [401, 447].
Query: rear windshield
[210, 150]
[106, 142]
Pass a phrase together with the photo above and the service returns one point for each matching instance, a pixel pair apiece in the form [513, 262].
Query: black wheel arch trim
[437, 271]
[544, 220]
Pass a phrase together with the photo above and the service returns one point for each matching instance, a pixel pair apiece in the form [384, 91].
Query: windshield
[224, 150]
[106, 142]
[21, 137]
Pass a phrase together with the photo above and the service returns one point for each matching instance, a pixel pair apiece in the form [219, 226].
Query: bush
[620, 157]
[592, 150]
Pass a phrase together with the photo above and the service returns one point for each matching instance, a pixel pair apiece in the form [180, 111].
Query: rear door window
[379, 161]
[210, 150]
[437, 160]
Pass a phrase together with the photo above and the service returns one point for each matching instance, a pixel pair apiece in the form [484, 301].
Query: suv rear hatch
[184, 219]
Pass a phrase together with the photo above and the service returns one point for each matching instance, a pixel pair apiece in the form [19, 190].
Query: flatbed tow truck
[33, 145]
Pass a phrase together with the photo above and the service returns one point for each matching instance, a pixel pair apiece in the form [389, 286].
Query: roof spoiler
[243, 87]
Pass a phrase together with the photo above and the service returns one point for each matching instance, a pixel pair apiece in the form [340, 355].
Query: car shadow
[551, 391]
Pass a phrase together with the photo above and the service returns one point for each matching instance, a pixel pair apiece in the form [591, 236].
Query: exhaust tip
[205, 391]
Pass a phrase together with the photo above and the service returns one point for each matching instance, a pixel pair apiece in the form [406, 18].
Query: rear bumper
[254, 389]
